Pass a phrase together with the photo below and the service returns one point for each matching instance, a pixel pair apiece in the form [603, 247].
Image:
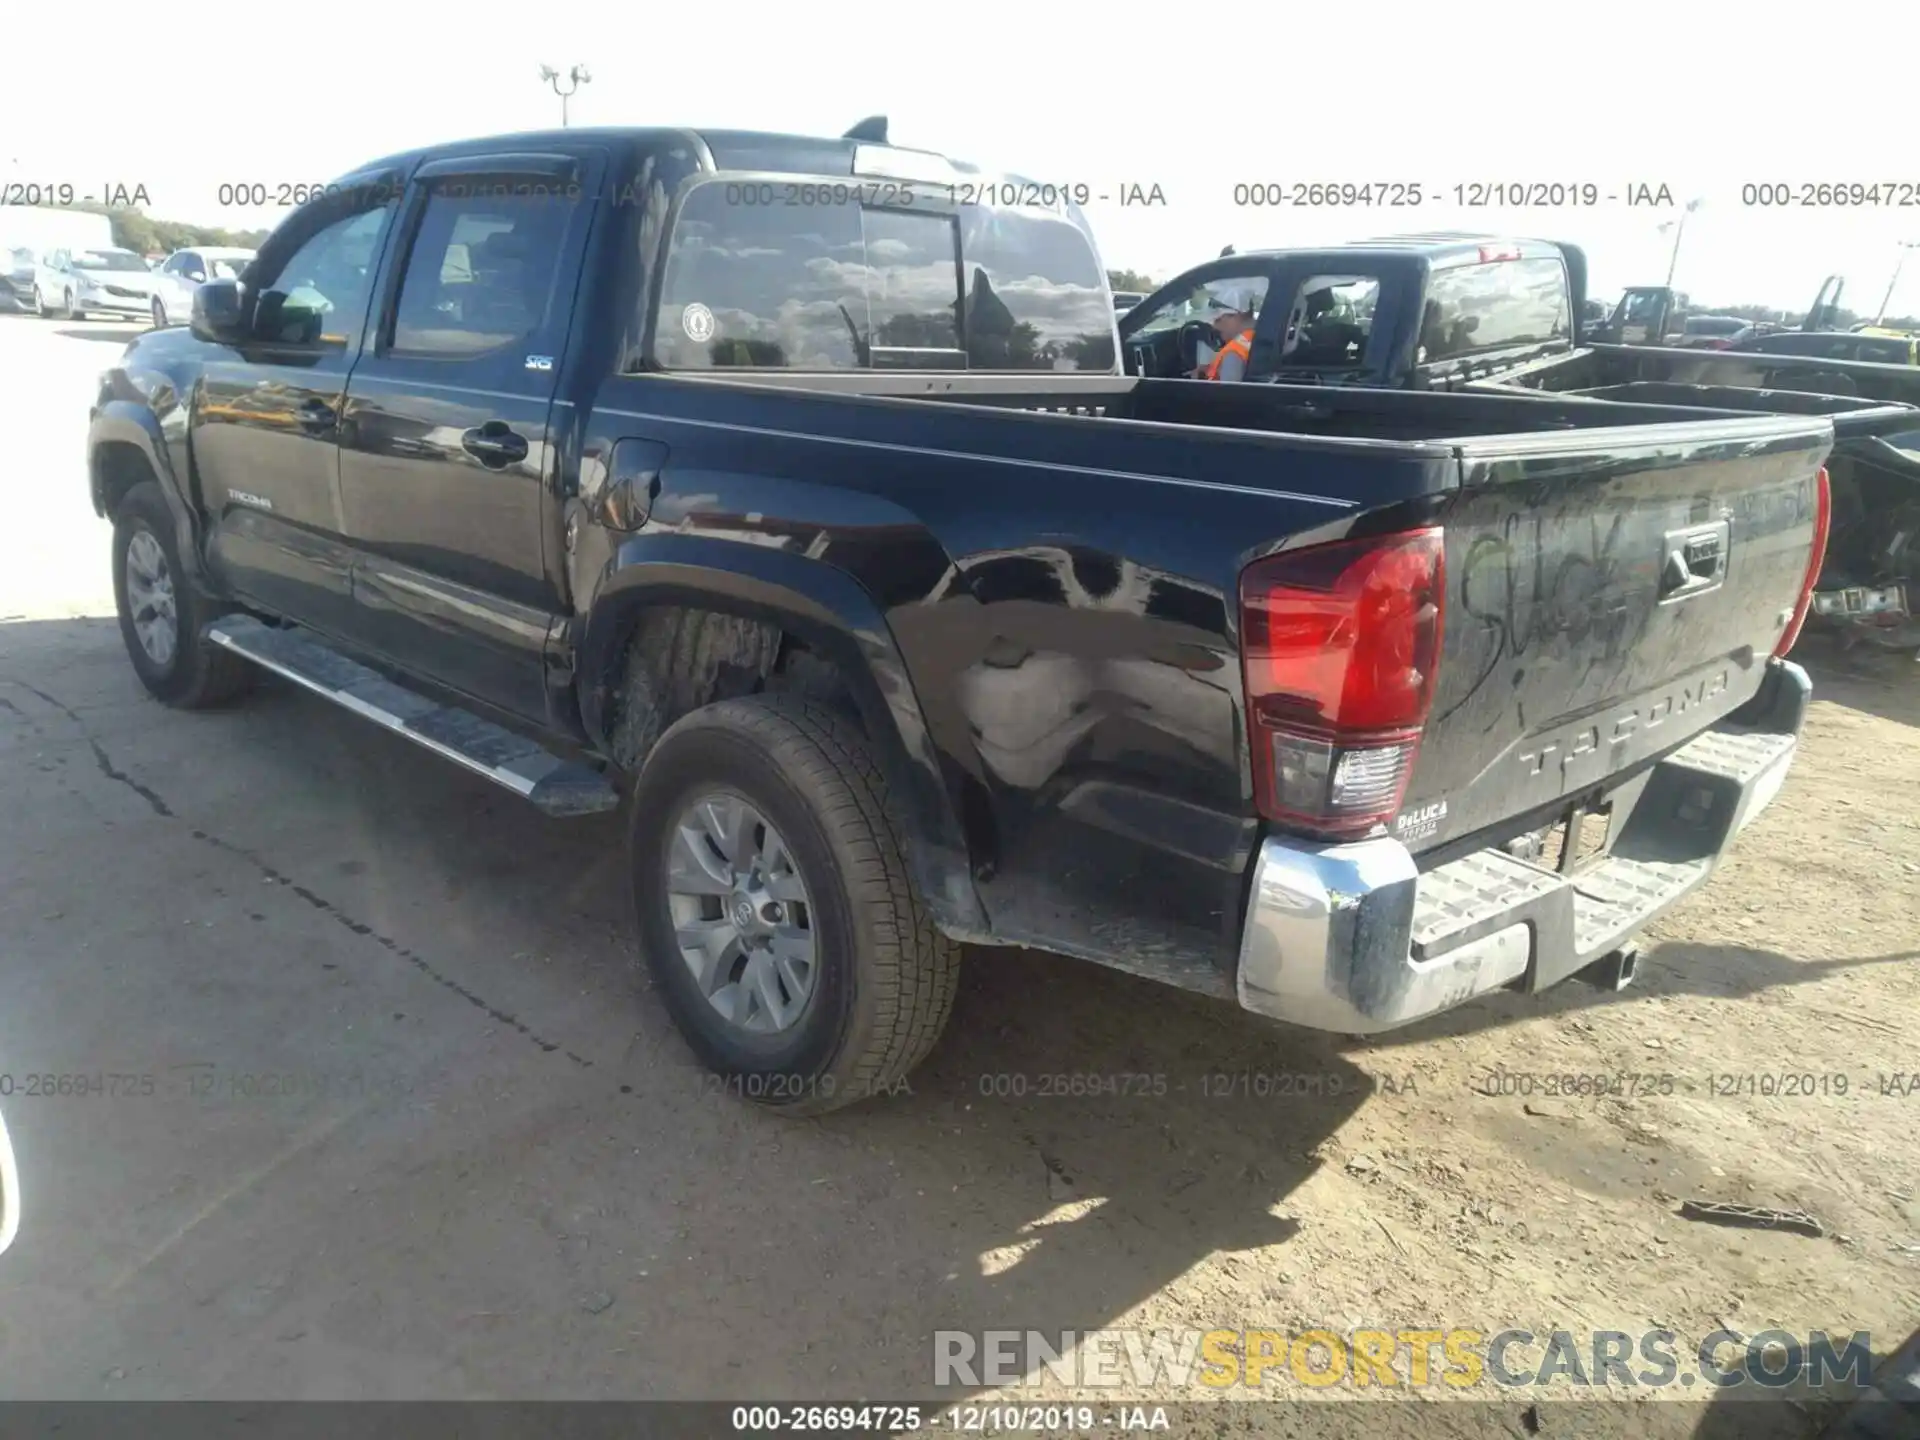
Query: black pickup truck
[1465, 311]
[789, 489]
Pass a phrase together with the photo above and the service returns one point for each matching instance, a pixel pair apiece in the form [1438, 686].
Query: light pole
[1679, 228]
[577, 77]
[1887, 299]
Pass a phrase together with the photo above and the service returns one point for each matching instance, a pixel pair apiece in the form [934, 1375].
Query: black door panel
[447, 440]
[266, 423]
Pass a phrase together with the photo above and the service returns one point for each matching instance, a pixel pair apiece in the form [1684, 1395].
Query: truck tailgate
[1609, 594]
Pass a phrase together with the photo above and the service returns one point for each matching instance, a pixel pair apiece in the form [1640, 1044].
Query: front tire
[776, 914]
[159, 314]
[161, 612]
[67, 311]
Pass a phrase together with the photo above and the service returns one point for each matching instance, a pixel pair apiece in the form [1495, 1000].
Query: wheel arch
[125, 448]
[836, 619]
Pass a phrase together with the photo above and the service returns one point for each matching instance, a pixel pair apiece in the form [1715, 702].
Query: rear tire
[161, 612]
[875, 994]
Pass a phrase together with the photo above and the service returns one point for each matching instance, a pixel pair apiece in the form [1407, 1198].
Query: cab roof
[1433, 248]
[728, 150]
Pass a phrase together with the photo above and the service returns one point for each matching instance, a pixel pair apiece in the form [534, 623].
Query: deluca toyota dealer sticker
[697, 321]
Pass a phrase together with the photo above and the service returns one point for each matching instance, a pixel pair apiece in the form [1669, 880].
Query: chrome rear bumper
[1357, 939]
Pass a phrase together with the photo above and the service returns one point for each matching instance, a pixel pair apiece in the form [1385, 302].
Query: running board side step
[556, 786]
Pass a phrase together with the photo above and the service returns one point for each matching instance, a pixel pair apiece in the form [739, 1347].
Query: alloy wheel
[150, 598]
[741, 915]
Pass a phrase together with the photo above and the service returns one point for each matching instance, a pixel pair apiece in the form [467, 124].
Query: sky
[1150, 94]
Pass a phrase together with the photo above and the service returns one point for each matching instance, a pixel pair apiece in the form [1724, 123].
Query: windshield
[108, 260]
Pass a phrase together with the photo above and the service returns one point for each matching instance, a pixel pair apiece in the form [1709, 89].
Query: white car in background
[102, 281]
[185, 271]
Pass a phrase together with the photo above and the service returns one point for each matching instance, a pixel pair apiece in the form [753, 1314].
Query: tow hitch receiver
[1613, 971]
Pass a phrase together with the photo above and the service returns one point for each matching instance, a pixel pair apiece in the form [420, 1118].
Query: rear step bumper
[1356, 939]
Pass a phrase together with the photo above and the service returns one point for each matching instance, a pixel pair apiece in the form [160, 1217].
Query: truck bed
[1284, 412]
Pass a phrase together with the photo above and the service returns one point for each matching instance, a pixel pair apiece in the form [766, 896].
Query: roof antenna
[873, 128]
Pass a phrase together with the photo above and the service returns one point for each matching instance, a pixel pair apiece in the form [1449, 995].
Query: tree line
[135, 230]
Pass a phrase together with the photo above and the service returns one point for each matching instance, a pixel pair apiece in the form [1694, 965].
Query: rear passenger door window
[1329, 322]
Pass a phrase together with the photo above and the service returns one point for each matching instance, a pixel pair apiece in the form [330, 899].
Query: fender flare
[838, 619]
[123, 422]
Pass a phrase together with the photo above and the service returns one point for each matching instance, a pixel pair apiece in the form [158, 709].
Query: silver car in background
[185, 271]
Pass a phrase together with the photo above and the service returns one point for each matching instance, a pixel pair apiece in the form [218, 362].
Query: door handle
[317, 417]
[494, 443]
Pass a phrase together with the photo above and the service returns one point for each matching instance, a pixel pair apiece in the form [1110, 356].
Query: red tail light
[1341, 644]
[1822, 522]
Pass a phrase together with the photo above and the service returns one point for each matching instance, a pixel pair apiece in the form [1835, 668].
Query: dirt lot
[399, 1124]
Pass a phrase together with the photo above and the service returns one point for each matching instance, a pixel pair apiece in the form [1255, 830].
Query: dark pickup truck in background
[791, 485]
[1869, 590]
[1452, 311]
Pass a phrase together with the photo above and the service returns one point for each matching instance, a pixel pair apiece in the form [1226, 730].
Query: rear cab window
[852, 286]
[1883, 351]
[1475, 308]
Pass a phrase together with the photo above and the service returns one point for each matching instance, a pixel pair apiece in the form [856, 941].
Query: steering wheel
[1191, 337]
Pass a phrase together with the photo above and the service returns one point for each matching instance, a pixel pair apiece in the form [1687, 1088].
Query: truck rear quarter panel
[1063, 595]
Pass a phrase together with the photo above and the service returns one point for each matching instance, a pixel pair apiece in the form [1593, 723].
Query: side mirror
[220, 313]
[9, 1191]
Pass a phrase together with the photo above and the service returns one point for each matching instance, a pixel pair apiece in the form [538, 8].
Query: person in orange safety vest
[1234, 325]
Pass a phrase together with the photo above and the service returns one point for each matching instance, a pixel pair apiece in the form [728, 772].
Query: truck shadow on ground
[1073, 1147]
